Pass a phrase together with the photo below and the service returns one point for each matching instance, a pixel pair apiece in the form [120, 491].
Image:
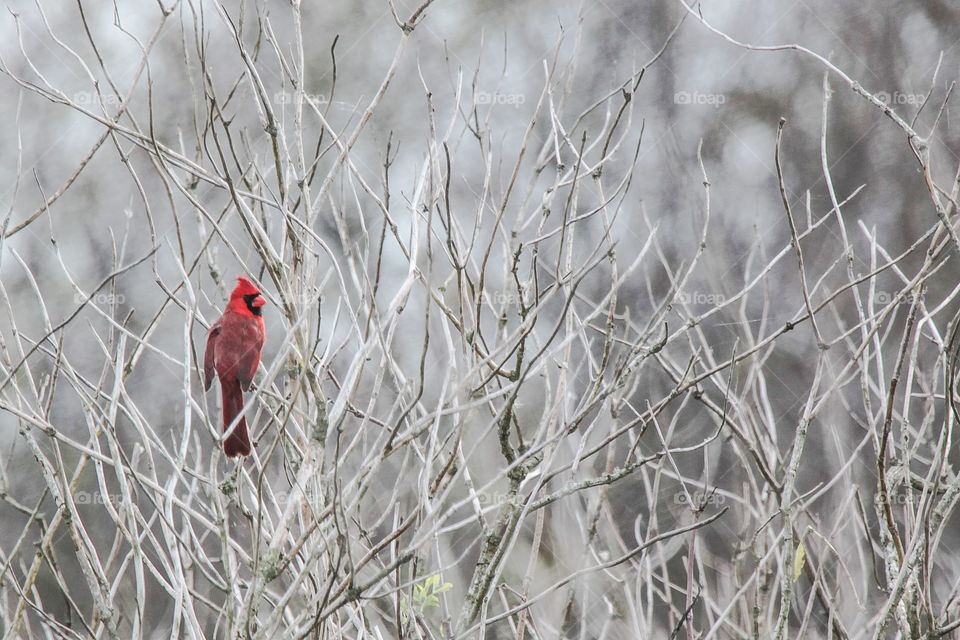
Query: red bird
[233, 351]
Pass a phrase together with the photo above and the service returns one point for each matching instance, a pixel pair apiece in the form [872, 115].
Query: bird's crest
[245, 287]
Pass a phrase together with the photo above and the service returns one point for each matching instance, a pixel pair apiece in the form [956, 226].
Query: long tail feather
[238, 442]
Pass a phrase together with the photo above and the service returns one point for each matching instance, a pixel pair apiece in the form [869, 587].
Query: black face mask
[249, 298]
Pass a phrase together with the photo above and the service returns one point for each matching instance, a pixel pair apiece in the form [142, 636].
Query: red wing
[208, 356]
[249, 360]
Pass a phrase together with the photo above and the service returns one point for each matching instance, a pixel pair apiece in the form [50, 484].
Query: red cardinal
[233, 350]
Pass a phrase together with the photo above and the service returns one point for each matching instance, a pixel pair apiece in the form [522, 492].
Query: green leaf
[798, 561]
[425, 594]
